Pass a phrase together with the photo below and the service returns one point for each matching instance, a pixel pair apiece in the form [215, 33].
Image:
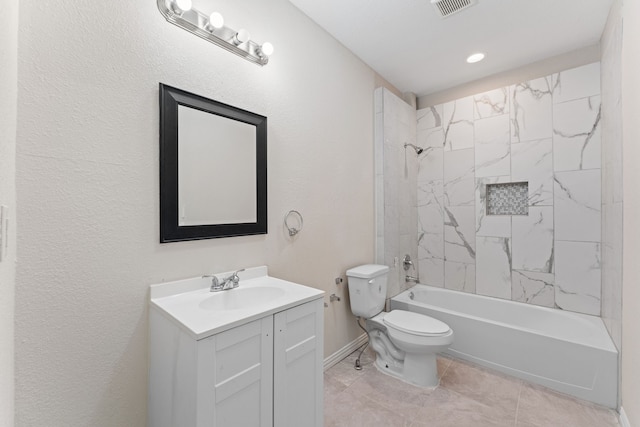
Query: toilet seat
[415, 323]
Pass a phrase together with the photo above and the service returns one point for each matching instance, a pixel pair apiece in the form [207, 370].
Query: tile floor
[468, 395]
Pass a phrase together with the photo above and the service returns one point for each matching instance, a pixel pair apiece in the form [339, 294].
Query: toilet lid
[415, 323]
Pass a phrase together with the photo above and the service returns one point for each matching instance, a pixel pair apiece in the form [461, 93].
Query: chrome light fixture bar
[212, 29]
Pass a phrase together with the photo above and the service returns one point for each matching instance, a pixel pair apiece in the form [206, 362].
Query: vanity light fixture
[266, 49]
[216, 22]
[212, 29]
[242, 36]
[181, 6]
[476, 57]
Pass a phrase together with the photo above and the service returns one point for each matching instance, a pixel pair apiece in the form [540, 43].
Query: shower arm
[419, 150]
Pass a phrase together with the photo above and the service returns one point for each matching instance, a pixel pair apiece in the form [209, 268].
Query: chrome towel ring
[293, 217]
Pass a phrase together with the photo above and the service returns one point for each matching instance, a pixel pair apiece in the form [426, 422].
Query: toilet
[405, 342]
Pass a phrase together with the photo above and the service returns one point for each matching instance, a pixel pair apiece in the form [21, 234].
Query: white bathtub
[565, 351]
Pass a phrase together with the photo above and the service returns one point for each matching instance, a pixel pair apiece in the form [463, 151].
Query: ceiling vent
[449, 7]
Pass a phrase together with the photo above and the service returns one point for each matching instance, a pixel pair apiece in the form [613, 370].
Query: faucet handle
[235, 279]
[215, 284]
[406, 262]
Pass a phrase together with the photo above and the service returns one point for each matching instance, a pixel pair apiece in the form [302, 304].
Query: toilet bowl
[418, 339]
[417, 333]
[406, 343]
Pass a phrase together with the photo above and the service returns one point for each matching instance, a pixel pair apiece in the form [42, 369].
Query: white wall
[631, 195]
[8, 113]
[87, 183]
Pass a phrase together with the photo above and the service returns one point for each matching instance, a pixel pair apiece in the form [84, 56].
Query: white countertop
[180, 301]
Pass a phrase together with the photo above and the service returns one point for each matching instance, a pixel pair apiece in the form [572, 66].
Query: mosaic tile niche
[545, 133]
[508, 199]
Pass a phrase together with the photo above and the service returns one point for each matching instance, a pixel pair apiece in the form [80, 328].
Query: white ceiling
[408, 44]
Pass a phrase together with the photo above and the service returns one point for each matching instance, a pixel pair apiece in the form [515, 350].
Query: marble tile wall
[612, 200]
[396, 187]
[546, 132]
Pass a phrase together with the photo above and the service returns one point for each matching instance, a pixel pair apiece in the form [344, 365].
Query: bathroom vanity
[250, 356]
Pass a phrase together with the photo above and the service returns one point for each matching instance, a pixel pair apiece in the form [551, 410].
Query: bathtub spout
[411, 279]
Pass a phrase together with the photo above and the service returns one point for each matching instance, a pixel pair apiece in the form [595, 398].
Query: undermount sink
[241, 298]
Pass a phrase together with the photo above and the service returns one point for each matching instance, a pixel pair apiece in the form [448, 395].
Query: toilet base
[420, 369]
[409, 363]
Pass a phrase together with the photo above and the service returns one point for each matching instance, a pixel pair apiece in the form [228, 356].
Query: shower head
[418, 149]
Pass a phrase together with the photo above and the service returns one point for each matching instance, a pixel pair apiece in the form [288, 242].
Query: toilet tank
[367, 289]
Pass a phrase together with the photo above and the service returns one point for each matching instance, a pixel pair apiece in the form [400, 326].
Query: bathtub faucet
[411, 279]
[406, 262]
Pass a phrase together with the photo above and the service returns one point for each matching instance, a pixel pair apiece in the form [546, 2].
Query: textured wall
[87, 183]
[631, 197]
[546, 132]
[8, 113]
[396, 168]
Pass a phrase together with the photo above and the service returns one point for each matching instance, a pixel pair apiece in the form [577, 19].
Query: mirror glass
[221, 153]
[212, 168]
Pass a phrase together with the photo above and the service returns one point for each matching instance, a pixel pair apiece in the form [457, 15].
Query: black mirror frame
[170, 231]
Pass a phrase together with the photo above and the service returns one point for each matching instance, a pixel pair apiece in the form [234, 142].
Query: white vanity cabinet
[297, 366]
[235, 376]
[262, 372]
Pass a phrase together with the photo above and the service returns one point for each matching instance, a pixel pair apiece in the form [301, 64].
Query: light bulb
[242, 36]
[216, 21]
[476, 57]
[183, 5]
[266, 49]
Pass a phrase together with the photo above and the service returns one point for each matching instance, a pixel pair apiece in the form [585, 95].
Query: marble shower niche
[545, 133]
[508, 199]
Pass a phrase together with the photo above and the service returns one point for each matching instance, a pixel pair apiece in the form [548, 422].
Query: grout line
[446, 369]
[518, 404]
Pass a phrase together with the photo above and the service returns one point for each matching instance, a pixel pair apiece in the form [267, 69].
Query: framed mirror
[213, 168]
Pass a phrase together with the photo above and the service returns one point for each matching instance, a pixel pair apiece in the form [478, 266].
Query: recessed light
[476, 57]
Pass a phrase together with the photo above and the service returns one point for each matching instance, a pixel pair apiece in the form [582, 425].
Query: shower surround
[396, 193]
[545, 132]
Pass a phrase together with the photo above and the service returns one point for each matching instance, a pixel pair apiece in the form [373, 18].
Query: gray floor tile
[468, 395]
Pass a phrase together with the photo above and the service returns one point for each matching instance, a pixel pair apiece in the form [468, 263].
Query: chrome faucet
[230, 282]
[411, 279]
[215, 285]
[406, 262]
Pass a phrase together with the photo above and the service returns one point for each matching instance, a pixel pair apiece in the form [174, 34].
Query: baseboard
[624, 421]
[344, 351]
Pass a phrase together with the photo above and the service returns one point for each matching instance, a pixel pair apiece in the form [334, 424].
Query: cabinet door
[298, 349]
[237, 377]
